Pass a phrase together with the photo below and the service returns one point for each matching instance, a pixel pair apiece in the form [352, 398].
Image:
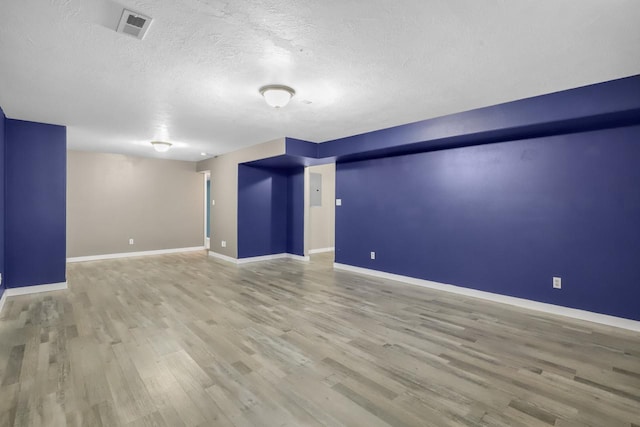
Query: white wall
[224, 190]
[322, 218]
[112, 198]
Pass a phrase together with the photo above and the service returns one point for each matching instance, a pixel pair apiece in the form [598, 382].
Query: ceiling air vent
[134, 24]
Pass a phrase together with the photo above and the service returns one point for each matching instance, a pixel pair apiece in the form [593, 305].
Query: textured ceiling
[357, 66]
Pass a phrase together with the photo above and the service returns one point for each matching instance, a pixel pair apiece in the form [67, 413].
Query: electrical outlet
[213, 202]
[557, 283]
[224, 243]
[131, 241]
[338, 202]
[0, 278]
[373, 255]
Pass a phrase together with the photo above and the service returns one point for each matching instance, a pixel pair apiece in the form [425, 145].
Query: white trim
[261, 258]
[321, 250]
[134, 254]
[35, 289]
[589, 316]
[207, 206]
[240, 261]
[3, 299]
[298, 257]
[223, 257]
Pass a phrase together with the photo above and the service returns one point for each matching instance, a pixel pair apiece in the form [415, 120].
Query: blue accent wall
[505, 218]
[35, 203]
[499, 199]
[603, 105]
[295, 211]
[262, 212]
[302, 149]
[270, 211]
[2, 184]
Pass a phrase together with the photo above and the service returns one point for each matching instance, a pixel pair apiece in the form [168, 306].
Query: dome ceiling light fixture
[277, 96]
[161, 146]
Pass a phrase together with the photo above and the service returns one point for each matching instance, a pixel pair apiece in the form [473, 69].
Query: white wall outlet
[338, 202]
[131, 241]
[557, 283]
[0, 278]
[223, 243]
[213, 202]
[373, 255]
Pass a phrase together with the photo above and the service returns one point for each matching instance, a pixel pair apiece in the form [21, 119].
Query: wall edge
[35, 289]
[134, 254]
[589, 316]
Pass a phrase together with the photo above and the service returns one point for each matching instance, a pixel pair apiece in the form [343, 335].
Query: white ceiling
[364, 65]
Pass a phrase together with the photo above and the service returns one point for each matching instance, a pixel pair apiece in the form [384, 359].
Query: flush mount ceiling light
[161, 146]
[277, 96]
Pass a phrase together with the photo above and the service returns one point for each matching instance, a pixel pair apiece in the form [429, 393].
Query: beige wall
[322, 218]
[112, 198]
[224, 191]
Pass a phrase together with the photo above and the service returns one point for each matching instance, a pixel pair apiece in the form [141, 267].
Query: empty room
[280, 213]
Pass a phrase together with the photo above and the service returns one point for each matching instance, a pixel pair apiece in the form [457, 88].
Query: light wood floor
[189, 340]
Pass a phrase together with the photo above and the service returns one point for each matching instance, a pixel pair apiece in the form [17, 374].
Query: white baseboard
[321, 250]
[134, 254]
[223, 257]
[35, 289]
[298, 257]
[240, 261]
[260, 258]
[589, 316]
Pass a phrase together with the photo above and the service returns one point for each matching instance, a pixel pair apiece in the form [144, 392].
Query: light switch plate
[338, 202]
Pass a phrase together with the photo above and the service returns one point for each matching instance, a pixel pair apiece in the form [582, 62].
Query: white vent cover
[133, 24]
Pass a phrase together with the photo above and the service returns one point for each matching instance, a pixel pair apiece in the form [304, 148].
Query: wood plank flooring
[187, 340]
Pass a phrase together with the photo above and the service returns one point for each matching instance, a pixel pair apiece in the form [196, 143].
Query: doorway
[207, 210]
[320, 182]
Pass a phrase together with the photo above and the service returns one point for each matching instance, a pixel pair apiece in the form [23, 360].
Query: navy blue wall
[295, 211]
[270, 211]
[262, 212]
[2, 149]
[597, 106]
[35, 203]
[504, 218]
